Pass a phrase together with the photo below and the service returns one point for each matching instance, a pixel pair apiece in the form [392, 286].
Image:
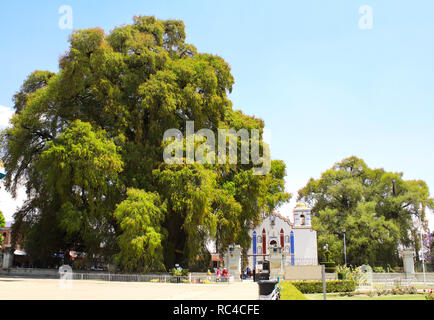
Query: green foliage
[141, 240]
[328, 262]
[202, 262]
[81, 167]
[2, 220]
[2, 224]
[37, 80]
[82, 137]
[379, 269]
[376, 209]
[350, 273]
[330, 266]
[179, 272]
[289, 292]
[331, 286]
[390, 269]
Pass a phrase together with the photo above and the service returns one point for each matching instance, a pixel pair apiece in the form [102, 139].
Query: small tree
[141, 241]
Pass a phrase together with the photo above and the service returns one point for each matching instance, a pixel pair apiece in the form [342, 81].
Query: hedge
[330, 267]
[331, 286]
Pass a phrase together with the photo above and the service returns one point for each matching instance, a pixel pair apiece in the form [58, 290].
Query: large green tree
[377, 210]
[82, 137]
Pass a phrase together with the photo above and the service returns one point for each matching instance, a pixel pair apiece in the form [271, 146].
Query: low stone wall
[331, 276]
[428, 276]
[391, 276]
[30, 273]
[417, 276]
[40, 273]
[293, 273]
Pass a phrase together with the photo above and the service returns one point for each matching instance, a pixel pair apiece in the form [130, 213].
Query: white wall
[273, 232]
[306, 247]
[305, 241]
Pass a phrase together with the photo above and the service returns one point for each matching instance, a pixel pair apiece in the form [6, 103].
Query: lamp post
[422, 256]
[421, 252]
[323, 273]
[345, 247]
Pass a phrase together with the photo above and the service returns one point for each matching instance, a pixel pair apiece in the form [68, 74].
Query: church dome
[301, 205]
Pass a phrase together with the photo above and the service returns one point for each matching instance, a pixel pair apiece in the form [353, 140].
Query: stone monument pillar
[233, 262]
[408, 259]
[277, 262]
[366, 270]
[7, 260]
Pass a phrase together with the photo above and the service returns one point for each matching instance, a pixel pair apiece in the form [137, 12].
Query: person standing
[209, 275]
[225, 274]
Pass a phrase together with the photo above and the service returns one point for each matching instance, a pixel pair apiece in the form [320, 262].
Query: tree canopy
[87, 142]
[376, 209]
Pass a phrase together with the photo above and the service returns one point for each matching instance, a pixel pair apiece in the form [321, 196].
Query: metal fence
[303, 261]
[194, 277]
[414, 277]
[397, 280]
[155, 278]
[398, 283]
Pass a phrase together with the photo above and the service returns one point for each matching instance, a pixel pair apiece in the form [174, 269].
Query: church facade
[298, 240]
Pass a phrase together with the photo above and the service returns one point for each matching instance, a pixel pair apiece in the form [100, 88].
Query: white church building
[297, 240]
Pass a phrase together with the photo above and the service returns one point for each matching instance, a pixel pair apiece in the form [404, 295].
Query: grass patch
[289, 292]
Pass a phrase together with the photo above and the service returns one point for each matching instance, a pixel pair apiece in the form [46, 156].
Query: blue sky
[325, 88]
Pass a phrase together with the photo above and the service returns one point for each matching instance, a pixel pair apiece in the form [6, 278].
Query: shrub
[342, 272]
[178, 272]
[381, 291]
[350, 273]
[331, 286]
[428, 294]
[329, 266]
[289, 292]
[409, 290]
[396, 269]
[371, 293]
[412, 290]
[379, 269]
[396, 291]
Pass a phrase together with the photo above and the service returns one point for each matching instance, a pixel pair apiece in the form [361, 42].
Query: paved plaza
[52, 289]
